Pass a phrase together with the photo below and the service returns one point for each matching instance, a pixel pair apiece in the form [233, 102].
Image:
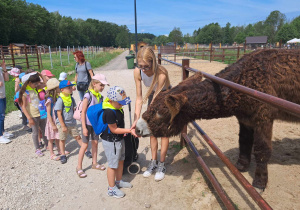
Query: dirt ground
[29, 182]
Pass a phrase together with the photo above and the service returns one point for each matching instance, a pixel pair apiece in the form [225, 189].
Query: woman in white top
[156, 78]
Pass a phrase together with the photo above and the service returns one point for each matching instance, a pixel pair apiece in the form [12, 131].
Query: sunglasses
[146, 68]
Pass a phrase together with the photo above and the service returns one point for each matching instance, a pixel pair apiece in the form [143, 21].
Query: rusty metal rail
[243, 181]
[209, 175]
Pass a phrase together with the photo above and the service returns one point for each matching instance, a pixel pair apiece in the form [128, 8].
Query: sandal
[66, 152]
[80, 173]
[39, 153]
[54, 157]
[98, 167]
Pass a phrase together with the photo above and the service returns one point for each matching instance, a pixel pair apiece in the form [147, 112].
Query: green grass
[96, 61]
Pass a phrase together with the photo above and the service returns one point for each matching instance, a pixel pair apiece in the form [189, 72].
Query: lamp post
[136, 49]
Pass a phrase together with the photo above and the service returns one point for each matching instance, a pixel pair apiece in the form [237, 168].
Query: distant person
[62, 76]
[83, 70]
[4, 136]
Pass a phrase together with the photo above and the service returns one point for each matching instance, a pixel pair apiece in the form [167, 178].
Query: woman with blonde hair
[157, 79]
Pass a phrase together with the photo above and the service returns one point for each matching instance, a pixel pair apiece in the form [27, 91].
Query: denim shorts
[114, 152]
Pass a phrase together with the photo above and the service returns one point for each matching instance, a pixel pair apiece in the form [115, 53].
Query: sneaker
[39, 153]
[88, 154]
[8, 135]
[63, 159]
[20, 115]
[41, 145]
[4, 140]
[115, 192]
[150, 169]
[29, 130]
[122, 184]
[160, 172]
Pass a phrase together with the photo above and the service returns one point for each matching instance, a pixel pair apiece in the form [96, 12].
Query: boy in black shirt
[113, 141]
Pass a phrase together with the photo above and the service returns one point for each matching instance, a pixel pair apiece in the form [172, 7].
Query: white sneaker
[20, 116]
[150, 169]
[4, 140]
[8, 135]
[160, 172]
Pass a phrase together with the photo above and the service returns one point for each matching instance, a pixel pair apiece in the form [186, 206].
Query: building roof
[19, 44]
[256, 40]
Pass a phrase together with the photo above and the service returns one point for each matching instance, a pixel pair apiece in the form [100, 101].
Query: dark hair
[33, 79]
[29, 71]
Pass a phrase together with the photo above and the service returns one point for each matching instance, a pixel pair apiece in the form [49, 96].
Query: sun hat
[47, 73]
[26, 76]
[63, 76]
[52, 83]
[64, 84]
[117, 93]
[21, 75]
[14, 72]
[101, 78]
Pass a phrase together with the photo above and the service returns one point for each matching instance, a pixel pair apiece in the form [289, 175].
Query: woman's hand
[31, 121]
[85, 131]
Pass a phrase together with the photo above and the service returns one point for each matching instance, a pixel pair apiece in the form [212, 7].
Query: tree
[228, 34]
[273, 23]
[296, 24]
[210, 33]
[240, 37]
[176, 36]
[286, 33]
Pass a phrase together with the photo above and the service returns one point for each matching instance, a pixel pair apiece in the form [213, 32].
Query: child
[47, 74]
[113, 141]
[65, 122]
[51, 130]
[29, 102]
[96, 86]
[15, 72]
[62, 76]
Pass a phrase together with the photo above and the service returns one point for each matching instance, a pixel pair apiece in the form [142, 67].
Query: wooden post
[159, 58]
[175, 57]
[185, 74]
[238, 53]
[2, 52]
[41, 58]
[37, 56]
[26, 55]
[12, 55]
[223, 54]
[245, 46]
[210, 50]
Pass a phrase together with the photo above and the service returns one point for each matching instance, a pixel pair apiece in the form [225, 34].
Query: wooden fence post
[185, 74]
[37, 56]
[26, 56]
[210, 50]
[12, 55]
[41, 57]
[2, 52]
[238, 53]
[223, 54]
[159, 58]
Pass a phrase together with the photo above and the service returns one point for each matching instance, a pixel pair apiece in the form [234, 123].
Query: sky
[159, 17]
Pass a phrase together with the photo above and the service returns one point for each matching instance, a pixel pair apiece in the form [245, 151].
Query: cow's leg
[245, 143]
[262, 152]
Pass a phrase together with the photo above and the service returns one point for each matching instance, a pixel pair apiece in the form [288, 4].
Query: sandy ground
[29, 182]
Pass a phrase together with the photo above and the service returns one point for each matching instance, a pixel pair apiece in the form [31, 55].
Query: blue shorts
[114, 152]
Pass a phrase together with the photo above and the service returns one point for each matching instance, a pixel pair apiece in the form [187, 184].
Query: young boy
[65, 122]
[113, 141]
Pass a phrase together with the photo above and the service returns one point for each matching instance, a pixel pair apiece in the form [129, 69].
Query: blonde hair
[93, 81]
[52, 93]
[147, 55]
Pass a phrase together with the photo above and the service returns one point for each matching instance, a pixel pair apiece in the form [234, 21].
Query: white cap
[26, 76]
[63, 76]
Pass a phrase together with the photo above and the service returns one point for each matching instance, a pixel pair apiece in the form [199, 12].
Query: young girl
[51, 130]
[96, 86]
[29, 102]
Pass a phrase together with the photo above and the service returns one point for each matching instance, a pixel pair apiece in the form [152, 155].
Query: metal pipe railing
[243, 181]
[209, 175]
[282, 104]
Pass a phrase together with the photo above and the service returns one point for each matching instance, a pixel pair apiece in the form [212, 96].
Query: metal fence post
[60, 56]
[50, 57]
[185, 74]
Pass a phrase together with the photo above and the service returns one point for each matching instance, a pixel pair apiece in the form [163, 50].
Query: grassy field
[96, 61]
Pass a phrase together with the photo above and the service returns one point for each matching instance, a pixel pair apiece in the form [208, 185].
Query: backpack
[78, 110]
[95, 116]
[87, 71]
[63, 106]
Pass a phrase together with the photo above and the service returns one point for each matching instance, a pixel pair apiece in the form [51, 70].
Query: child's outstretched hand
[132, 131]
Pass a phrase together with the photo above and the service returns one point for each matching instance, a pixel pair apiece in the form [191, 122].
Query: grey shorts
[114, 156]
[91, 134]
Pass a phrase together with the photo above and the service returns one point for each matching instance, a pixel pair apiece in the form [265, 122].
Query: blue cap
[65, 83]
[21, 75]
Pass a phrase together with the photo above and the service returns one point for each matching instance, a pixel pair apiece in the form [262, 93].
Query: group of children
[48, 107]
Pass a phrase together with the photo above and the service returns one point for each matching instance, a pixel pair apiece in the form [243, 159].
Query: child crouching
[113, 140]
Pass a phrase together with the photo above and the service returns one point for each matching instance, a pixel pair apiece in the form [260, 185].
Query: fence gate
[28, 56]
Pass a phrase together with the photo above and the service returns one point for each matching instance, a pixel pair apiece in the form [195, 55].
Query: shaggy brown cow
[275, 72]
